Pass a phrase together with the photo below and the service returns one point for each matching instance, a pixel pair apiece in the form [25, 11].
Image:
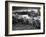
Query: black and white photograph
[24, 18]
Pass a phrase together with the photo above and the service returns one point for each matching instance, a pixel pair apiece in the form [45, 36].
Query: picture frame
[23, 9]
